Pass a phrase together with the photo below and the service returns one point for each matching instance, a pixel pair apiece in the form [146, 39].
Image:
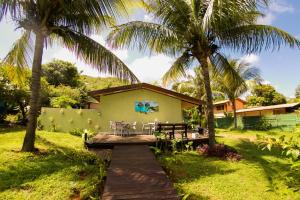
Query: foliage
[59, 72]
[14, 93]
[62, 102]
[62, 169]
[297, 92]
[93, 83]
[265, 95]
[289, 145]
[221, 151]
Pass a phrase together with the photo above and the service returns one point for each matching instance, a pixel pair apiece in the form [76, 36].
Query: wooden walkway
[134, 173]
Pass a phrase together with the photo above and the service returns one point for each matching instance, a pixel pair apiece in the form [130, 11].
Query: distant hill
[98, 83]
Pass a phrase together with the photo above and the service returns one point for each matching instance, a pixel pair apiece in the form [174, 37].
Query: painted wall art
[146, 106]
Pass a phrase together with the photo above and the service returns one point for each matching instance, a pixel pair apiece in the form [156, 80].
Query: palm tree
[198, 30]
[69, 23]
[234, 89]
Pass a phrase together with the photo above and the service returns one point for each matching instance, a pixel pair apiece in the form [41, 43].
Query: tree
[47, 21]
[195, 32]
[297, 93]
[265, 95]
[14, 91]
[59, 72]
[233, 90]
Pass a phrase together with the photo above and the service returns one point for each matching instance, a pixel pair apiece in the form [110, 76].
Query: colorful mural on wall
[146, 106]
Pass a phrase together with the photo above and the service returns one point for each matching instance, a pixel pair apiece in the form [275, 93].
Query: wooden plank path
[134, 173]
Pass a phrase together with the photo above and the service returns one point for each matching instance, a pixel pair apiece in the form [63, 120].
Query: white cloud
[148, 18]
[267, 19]
[275, 7]
[149, 69]
[253, 59]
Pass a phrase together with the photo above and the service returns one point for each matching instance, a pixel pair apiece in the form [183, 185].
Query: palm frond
[178, 69]
[255, 38]
[21, 51]
[144, 36]
[95, 54]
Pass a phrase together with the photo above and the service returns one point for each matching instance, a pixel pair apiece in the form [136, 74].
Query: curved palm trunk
[28, 144]
[209, 101]
[234, 112]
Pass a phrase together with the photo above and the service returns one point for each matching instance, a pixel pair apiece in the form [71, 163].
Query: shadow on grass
[34, 166]
[274, 164]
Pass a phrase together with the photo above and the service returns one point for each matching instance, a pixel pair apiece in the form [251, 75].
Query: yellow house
[140, 103]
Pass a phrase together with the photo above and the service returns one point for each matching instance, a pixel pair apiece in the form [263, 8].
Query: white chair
[133, 127]
[112, 126]
[146, 127]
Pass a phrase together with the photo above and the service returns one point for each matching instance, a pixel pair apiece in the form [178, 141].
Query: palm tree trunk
[234, 112]
[209, 101]
[28, 144]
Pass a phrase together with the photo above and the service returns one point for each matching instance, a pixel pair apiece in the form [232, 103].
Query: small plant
[189, 146]
[174, 144]
[289, 145]
[90, 121]
[77, 132]
[221, 151]
[157, 151]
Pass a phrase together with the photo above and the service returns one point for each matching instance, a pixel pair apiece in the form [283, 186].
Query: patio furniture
[133, 127]
[122, 128]
[170, 129]
[149, 127]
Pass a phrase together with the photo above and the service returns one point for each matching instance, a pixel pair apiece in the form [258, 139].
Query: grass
[260, 175]
[62, 169]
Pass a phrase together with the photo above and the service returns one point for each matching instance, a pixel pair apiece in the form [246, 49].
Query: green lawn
[260, 175]
[62, 169]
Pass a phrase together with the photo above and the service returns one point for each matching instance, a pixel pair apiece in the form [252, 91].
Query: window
[220, 107]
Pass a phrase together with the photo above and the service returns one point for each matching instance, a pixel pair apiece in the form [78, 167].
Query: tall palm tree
[234, 89]
[198, 30]
[67, 22]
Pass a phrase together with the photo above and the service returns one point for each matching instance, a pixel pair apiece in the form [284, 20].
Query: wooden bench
[170, 129]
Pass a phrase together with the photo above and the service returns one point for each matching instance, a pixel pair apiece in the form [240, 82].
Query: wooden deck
[134, 173]
[108, 141]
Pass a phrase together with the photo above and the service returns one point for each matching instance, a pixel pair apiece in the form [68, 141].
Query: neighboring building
[225, 106]
[141, 103]
[269, 110]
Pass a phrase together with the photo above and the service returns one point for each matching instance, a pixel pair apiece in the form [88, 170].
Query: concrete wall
[66, 120]
[121, 107]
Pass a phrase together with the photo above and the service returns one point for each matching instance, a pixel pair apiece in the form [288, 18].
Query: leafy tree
[297, 93]
[195, 31]
[97, 83]
[45, 22]
[234, 89]
[76, 96]
[63, 102]
[265, 95]
[15, 91]
[59, 72]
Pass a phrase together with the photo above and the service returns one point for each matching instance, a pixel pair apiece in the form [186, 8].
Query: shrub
[221, 151]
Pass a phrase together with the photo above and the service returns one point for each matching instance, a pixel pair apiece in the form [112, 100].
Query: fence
[66, 120]
[284, 121]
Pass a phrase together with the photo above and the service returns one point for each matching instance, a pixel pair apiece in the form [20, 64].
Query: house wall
[228, 107]
[263, 112]
[121, 107]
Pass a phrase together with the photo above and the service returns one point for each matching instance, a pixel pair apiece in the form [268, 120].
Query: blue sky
[280, 68]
